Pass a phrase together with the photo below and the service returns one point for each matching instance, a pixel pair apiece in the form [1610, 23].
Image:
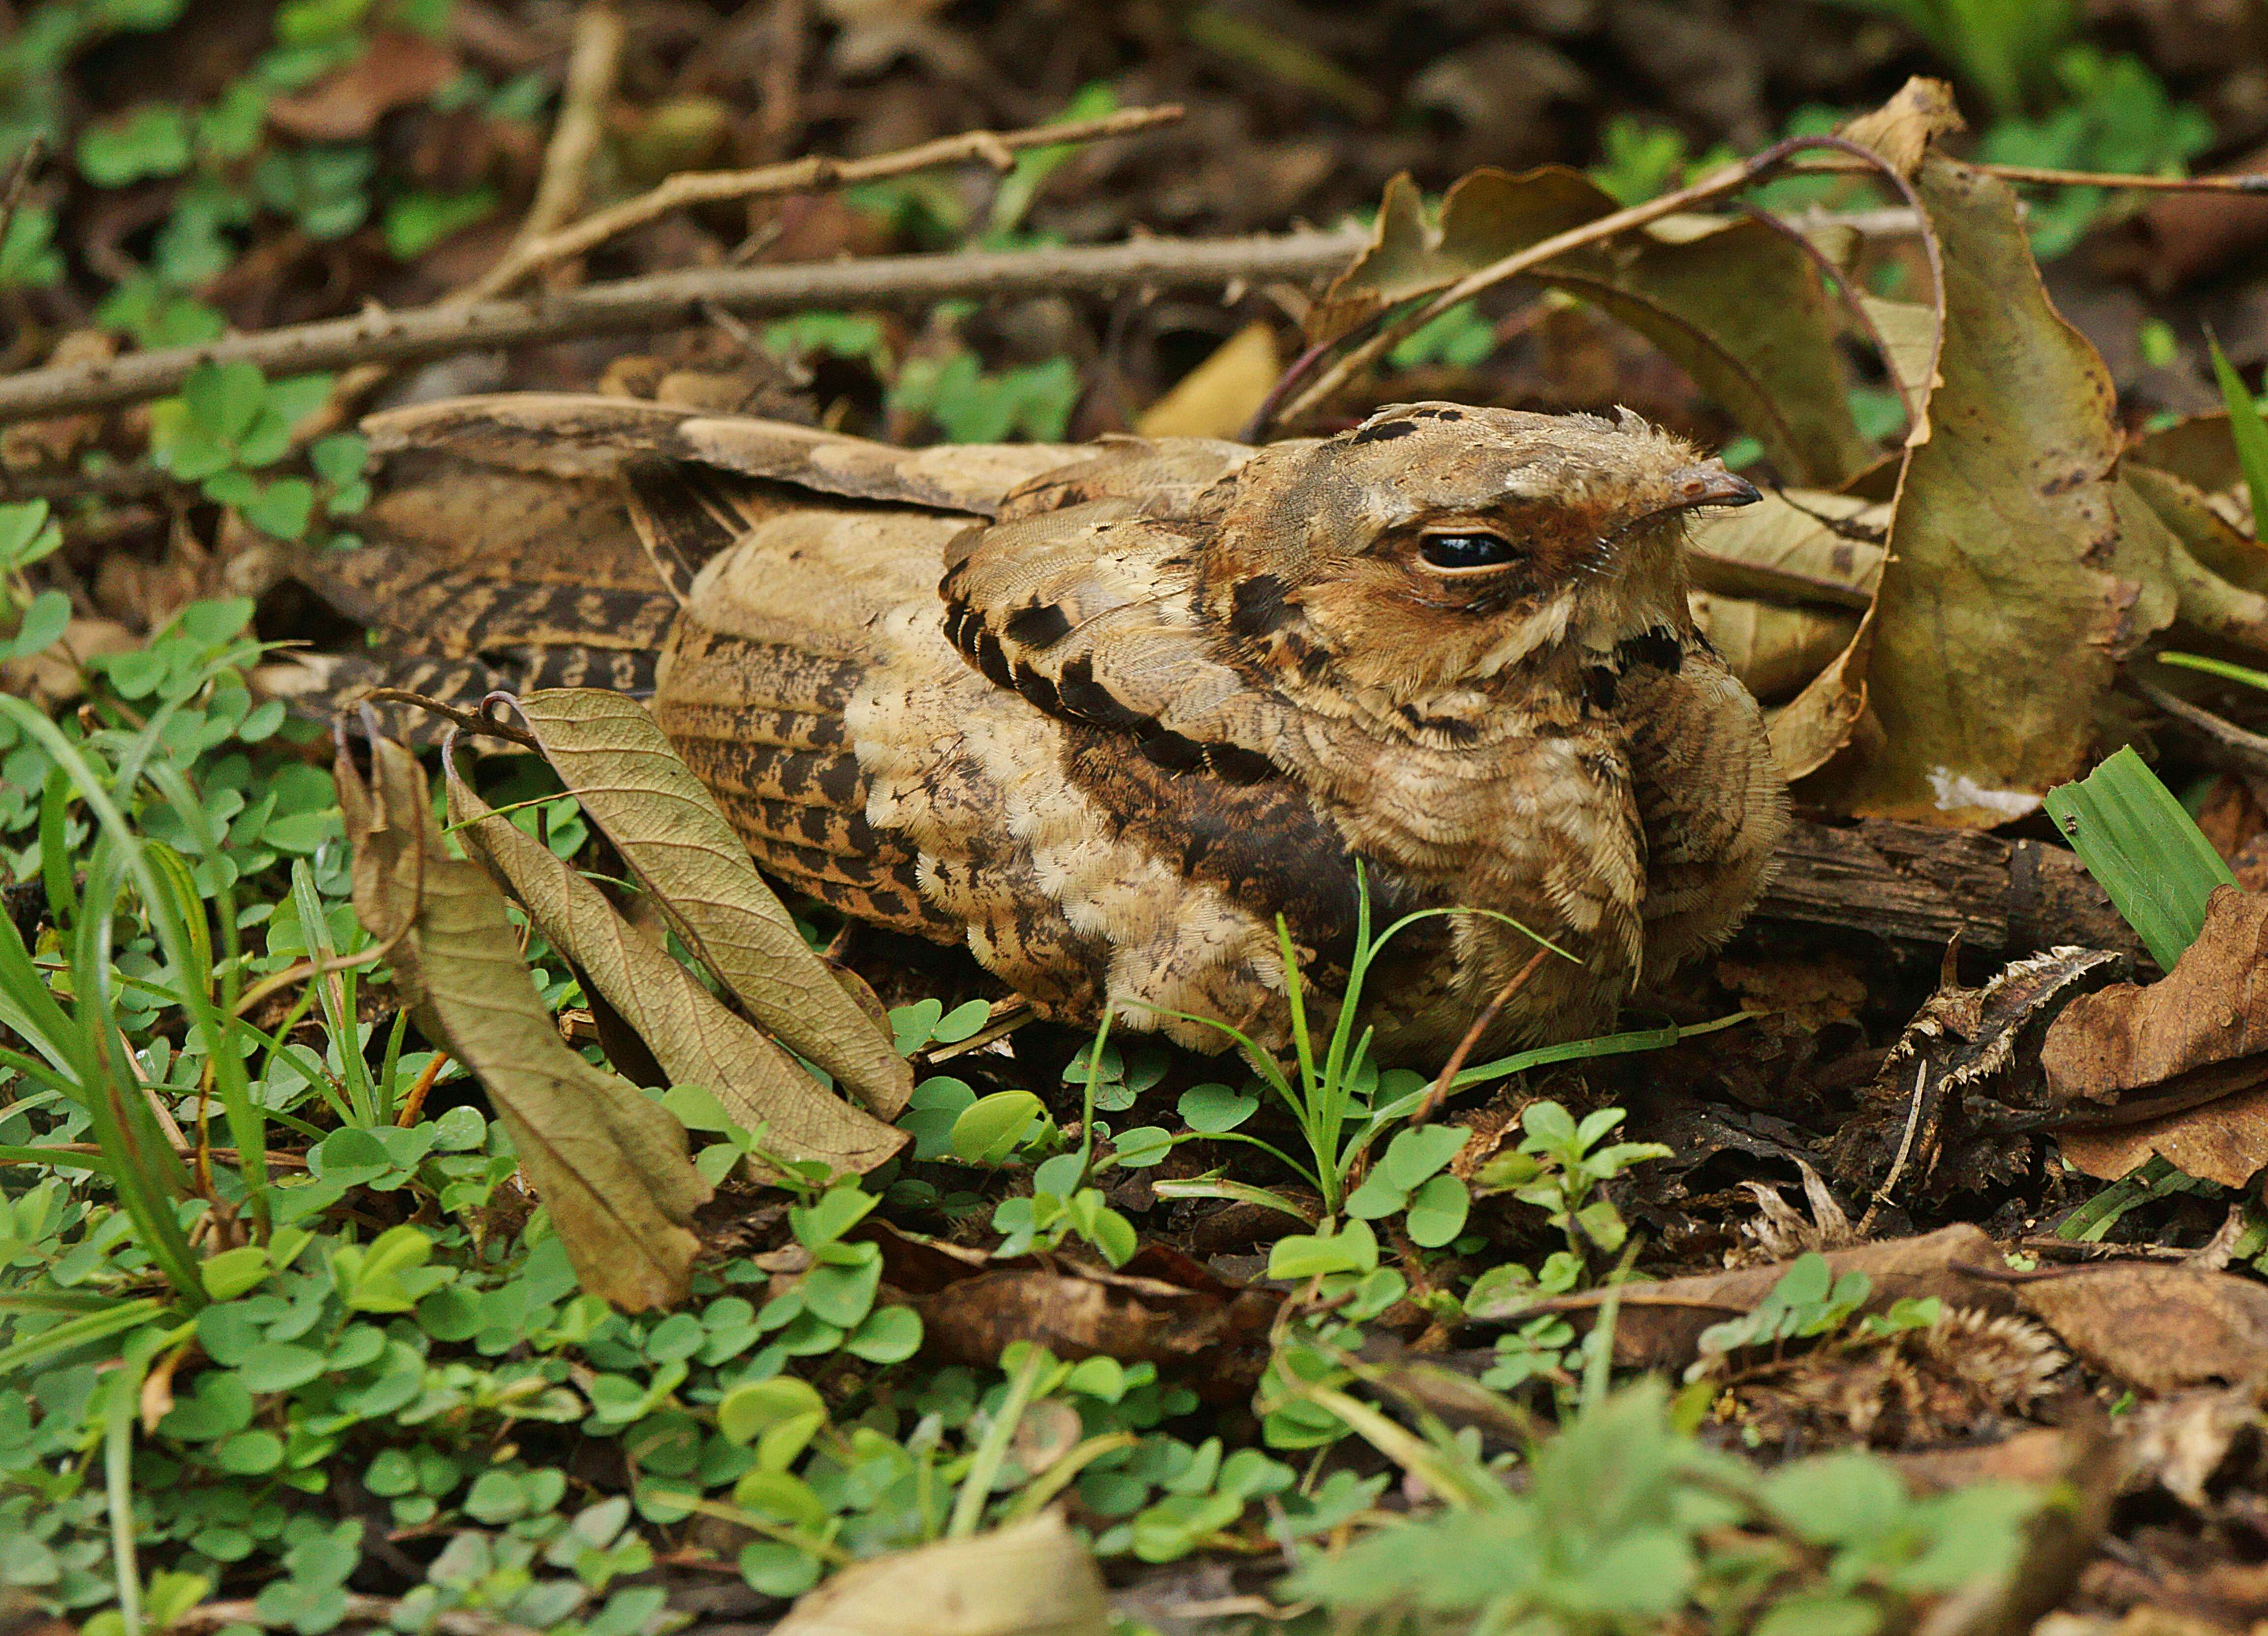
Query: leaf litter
[2022, 539]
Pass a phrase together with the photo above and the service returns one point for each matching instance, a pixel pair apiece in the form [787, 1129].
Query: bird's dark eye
[1457, 551]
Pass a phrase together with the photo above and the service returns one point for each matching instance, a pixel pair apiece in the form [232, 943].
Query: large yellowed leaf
[692, 1036]
[2012, 591]
[1031, 1579]
[1782, 589]
[608, 1163]
[668, 828]
[1745, 307]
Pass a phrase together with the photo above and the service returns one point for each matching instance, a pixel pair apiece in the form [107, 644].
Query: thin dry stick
[1730, 180]
[811, 173]
[1450, 1069]
[2049, 176]
[19, 179]
[1884, 1194]
[593, 66]
[667, 300]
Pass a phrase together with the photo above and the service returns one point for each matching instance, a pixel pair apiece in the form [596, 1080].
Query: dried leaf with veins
[608, 1163]
[693, 1037]
[1742, 304]
[664, 822]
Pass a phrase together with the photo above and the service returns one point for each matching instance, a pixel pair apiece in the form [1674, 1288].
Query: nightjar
[1106, 714]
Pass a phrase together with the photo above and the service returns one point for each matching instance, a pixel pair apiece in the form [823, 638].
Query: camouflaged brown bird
[1104, 714]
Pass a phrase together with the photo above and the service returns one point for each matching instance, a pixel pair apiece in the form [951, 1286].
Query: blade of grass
[2246, 430]
[2220, 667]
[984, 1464]
[2143, 848]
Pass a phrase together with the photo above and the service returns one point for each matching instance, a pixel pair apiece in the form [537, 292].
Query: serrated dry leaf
[668, 828]
[1032, 1579]
[2194, 1043]
[1743, 306]
[693, 1038]
[2008, 559]
[608, 1163]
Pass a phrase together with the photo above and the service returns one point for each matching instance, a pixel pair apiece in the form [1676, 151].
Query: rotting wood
[1916, 884]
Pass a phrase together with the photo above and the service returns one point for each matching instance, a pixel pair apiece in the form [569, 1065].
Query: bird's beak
[1709, 485]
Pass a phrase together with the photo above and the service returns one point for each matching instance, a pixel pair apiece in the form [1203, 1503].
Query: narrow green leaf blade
[2248, 430]
[2147, 853]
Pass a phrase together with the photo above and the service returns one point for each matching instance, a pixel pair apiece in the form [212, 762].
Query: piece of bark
[1918, 884]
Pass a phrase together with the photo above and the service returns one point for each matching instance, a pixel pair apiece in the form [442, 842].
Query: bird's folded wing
[583, 434]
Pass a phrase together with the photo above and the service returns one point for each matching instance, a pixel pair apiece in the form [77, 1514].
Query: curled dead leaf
[667, 827]
[1161, 1308]
[2156, 1326]
[2008, 554]
[1903, 128]
[400, 67]
[2177, 1065]
[608, 1163]
[693, 1038]
[1657, 1324]
[1743, 306]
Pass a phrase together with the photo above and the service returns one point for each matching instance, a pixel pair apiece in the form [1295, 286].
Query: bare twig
[593, 66]
[1732, 179]
[2044, 176]
[667, 300]
[804, 175]
[1448, 1078]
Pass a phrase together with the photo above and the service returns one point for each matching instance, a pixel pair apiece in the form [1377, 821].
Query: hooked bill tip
[1712, 485]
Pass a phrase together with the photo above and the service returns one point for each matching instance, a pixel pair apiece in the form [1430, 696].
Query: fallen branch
[809, 174]
[1912, 883]
[668, 300]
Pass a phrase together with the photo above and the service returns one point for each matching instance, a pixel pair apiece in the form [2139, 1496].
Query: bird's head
[1437, 545]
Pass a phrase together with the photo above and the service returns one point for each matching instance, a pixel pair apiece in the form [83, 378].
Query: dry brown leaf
[2177, 1054]
[399, 68]
[1032, 1579]
[1215, 399]
[1903, 128]
[1780, 586]
[1657, 1325]
[2154, 1325]
[666, 826]
[608, 1163]
[1743, 306]
[2007, 560]
[1161, 1308]
[693, 1038]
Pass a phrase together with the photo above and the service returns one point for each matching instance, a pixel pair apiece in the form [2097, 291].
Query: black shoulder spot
[1385, 430]
[1089, 701]
[1258, 606]
[992, 660]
